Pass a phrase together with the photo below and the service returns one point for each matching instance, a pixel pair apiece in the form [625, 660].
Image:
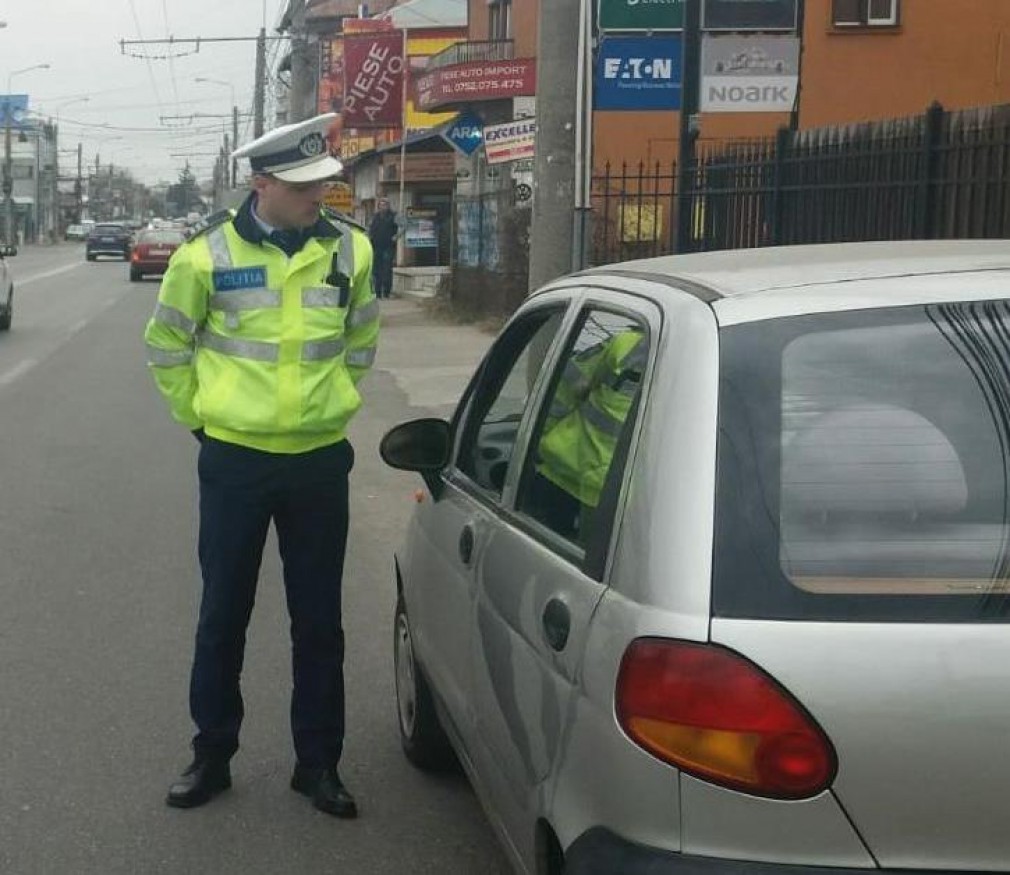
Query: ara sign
[466, 133]
[634, 73]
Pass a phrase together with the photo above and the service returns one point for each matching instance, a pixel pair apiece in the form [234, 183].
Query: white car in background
[6, 287]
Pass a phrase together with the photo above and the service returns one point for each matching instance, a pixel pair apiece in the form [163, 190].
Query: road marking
[42, 276]
[19, 370]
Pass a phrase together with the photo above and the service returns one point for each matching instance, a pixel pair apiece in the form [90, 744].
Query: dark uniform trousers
[306, 496]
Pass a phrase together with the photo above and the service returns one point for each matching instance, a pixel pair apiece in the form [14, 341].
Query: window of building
[864, 13]
[499, 19]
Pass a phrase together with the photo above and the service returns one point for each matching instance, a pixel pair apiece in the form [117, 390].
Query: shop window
[499, 20]
[864, 13]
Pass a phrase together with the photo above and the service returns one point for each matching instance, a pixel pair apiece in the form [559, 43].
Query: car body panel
[918, 714]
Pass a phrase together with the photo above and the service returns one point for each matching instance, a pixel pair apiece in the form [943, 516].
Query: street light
[234, 121]
[8, 181]
[55, 220]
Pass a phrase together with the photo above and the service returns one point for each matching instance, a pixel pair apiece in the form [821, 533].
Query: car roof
[748, 284]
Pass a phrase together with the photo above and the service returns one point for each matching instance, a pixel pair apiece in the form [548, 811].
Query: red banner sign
[477, 80]
[373, 80]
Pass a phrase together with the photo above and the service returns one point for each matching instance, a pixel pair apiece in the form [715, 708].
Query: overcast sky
[127, 117]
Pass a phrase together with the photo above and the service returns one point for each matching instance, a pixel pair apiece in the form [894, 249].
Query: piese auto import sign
[475, 81]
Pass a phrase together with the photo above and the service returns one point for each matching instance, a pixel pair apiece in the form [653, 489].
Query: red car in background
[152, 249]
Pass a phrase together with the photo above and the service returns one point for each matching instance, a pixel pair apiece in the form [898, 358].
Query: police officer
[264, 326]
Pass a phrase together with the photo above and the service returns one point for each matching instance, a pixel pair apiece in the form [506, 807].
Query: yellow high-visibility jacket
[587, 415]
[261, 350]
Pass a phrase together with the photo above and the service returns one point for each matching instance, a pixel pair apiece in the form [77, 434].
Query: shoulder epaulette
[209, 223]
[335, 216]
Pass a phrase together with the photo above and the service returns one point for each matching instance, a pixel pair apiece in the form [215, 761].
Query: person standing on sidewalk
[383, 233]
[264, 326]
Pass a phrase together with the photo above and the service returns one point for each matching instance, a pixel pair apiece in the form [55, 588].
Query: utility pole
[554, 174]
[8, 183]
[260, 91]
[303, 67]
[234, 140]
[79, 189]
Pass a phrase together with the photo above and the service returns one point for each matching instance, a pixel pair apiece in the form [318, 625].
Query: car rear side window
[864, 466]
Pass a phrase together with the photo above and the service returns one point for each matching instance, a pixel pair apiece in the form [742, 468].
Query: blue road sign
[639, 73]
[466, 133]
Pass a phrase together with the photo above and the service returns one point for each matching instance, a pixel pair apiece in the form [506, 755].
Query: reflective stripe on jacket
[262, 350]
[587, 415]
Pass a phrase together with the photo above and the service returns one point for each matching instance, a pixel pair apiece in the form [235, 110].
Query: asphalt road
[98, 593]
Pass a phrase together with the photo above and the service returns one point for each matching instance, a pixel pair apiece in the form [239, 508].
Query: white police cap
[294, 153]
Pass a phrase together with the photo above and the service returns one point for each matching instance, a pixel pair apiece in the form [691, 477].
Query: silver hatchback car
[711, 575]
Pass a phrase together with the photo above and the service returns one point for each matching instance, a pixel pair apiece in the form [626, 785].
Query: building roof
[420, 14]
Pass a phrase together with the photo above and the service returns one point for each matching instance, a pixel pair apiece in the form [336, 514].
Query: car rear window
[108, 229]
[864, 466]
[165, 237]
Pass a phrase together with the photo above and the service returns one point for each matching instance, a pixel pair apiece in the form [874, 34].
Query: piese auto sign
[749, 74]
[373, 80]
[475, 81]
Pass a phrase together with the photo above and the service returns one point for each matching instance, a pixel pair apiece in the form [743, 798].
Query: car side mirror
[8, 250]
[421, 445]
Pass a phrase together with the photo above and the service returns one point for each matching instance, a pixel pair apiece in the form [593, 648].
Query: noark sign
[641, 15]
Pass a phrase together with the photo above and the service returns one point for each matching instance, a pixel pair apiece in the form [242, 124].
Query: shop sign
[476, 81]
[373, 80]
[420, 167]
[512, 141]
[748, 14]
[339, 197]
[466, 133]
[641, 14]
[749, 74]
[639, 73]
[421, 232]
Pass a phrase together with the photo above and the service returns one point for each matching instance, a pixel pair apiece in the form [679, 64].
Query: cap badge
[312, 145]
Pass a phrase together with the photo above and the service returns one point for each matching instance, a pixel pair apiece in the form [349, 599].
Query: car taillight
[135, 256]
[715, 715]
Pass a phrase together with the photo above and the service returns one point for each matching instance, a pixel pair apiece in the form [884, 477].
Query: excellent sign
[512, 141]
[373, 80]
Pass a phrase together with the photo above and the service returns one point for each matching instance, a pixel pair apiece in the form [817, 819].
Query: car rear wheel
[90, 256]
[421, 735]
[135, 275]
[7, 312]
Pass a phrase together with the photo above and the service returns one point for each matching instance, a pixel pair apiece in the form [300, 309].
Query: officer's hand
[198, 434]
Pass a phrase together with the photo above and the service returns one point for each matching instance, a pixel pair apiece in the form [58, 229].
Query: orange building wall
[954, 51]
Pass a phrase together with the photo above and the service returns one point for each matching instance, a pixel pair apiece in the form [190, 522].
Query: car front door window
[501, 396]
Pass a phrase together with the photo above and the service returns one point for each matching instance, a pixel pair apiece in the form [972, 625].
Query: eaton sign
[634, 73]
[466, 133]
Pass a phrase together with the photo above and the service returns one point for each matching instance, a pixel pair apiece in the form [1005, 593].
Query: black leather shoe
[325, 789]
[200, 783]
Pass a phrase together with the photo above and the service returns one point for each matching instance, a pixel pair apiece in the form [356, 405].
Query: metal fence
[937, 175]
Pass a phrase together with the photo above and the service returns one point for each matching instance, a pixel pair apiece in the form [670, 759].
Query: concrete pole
[260, 87]
[554, 183]
[8, 182]
[234, 140]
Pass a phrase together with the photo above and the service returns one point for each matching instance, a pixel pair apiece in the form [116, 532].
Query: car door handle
[466, 542]
[557, 622]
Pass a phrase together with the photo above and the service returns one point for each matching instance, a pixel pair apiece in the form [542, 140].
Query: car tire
[90, 256]
[422, 738]
[7, 313]
[135, 276]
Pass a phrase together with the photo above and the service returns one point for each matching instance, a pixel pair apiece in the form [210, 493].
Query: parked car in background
[713, 570]
[6, 287]
[152, 250]
[75, 232]
[108, 238]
